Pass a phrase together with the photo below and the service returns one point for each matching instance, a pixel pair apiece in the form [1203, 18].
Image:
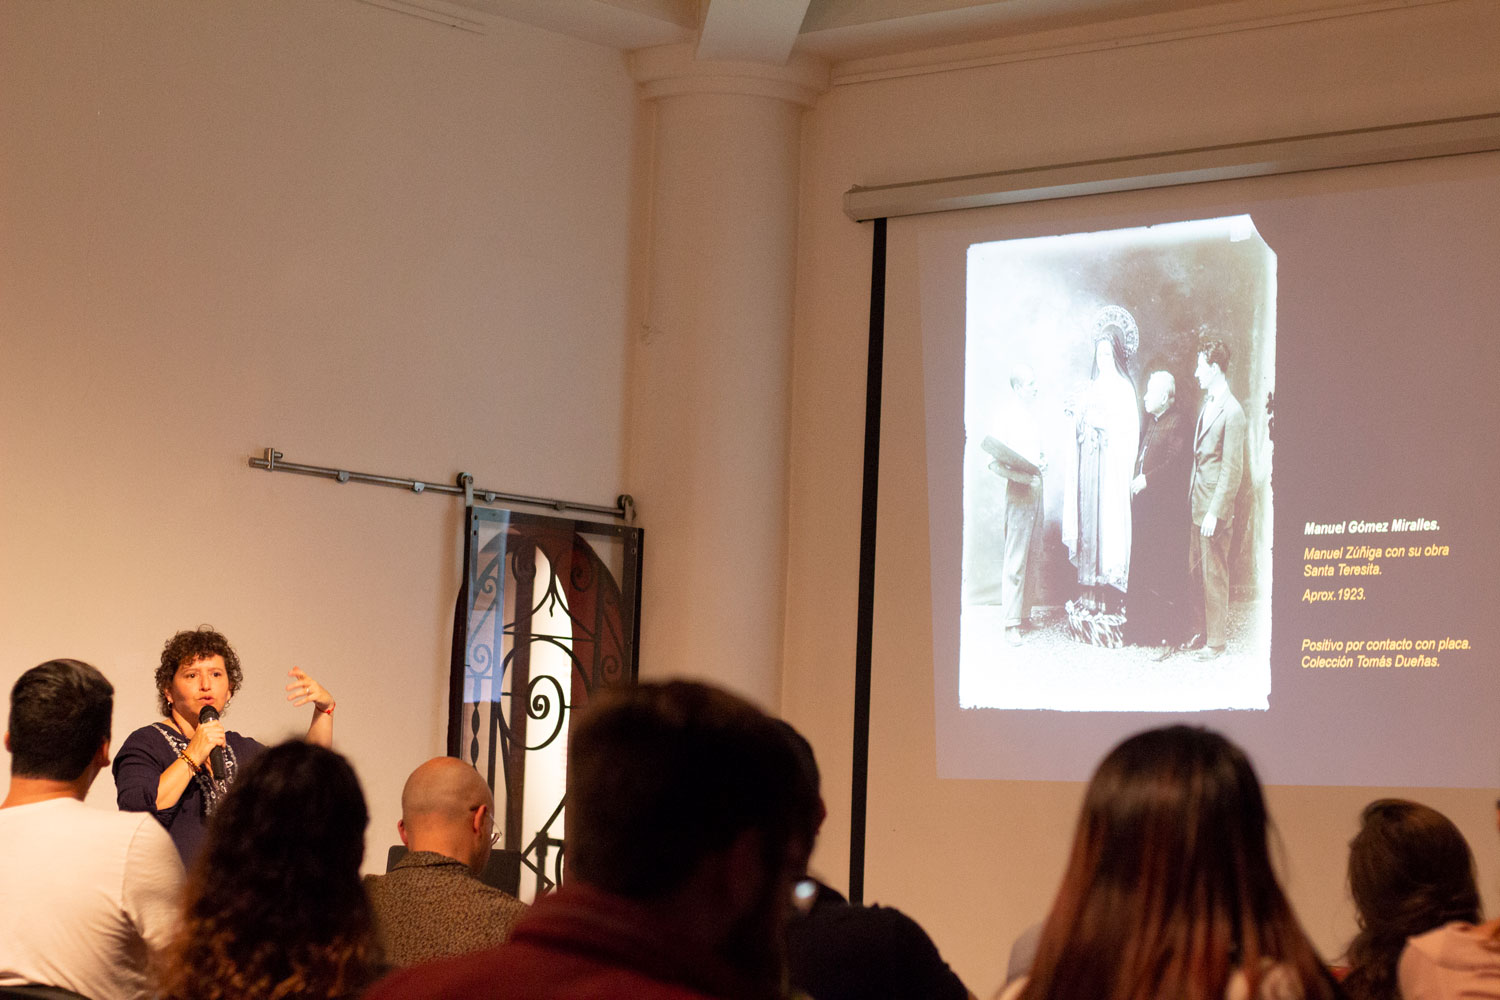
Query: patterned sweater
[430, 906]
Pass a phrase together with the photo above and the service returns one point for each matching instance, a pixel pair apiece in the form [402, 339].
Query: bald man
[431, 904]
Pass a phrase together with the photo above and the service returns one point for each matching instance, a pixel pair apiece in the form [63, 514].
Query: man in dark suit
[1218, 468]
[1158, 506]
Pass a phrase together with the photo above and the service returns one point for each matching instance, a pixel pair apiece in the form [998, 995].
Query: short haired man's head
[661, 776]
[684, 797]
[1161, 392]
[59, 720]
[1216, 353]
[447, 808]
[188, 647]
[808, 790]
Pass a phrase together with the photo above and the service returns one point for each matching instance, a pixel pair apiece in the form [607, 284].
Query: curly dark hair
[190, 646]
[1410, 870]
[275, 906]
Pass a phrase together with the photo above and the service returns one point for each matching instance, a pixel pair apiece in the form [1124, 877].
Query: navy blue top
[138, 766]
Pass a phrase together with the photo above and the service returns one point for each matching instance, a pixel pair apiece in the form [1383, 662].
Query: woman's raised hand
[303, 690]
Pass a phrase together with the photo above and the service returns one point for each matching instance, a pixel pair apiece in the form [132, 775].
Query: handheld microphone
[215, 756]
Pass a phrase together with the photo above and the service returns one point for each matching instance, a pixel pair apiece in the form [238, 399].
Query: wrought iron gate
[548, 614]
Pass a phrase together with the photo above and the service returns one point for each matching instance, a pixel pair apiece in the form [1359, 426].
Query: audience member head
[275, 904]
[1169, 887]
[447, 808]
[59, 724]
[1410, 870]
[808, 790]
[188, 647]
[1495, 936]
[691, 802]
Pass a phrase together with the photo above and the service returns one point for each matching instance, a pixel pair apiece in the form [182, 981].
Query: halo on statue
[1119, 316]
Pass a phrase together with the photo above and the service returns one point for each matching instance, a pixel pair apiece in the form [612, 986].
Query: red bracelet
[328, 710]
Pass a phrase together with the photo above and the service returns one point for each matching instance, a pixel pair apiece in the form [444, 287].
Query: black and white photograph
[1118, 408]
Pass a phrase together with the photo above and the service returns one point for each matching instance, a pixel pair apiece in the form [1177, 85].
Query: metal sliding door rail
[271, 461]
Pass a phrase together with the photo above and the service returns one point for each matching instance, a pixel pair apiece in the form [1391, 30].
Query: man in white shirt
[88, 897]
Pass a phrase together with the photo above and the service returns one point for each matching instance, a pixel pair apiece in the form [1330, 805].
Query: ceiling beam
[751, 30]
[619, 24]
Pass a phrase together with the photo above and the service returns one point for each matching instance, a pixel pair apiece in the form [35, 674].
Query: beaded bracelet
[197, 768]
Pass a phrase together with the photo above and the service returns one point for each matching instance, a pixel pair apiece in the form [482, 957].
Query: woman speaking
[179, 769]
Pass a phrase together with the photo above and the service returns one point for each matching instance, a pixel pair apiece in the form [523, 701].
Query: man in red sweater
[686, 830]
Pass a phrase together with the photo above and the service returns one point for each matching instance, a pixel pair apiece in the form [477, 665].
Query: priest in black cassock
[1156, 608]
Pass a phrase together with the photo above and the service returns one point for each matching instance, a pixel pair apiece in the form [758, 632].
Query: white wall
[366, 239]
[377, 242]
[978, 862]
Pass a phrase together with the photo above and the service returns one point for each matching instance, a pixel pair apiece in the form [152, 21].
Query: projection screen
[1341, 444]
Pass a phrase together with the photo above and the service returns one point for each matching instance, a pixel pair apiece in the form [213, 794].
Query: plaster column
[710, 378]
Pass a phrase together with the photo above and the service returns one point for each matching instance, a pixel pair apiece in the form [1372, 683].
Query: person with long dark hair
[1458, 961]
[275, 908]
[1169, 892]
[1410, 870]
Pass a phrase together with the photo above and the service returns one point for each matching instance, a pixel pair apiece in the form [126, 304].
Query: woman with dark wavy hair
[1169, 892]
[170, 768]
[1458, 961]
[1410, 870]
[276, 909]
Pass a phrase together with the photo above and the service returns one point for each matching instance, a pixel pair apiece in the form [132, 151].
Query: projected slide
[1118, 393]
[1221, 454]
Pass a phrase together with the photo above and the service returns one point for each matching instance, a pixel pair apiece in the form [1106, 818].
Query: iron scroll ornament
[595, 614]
